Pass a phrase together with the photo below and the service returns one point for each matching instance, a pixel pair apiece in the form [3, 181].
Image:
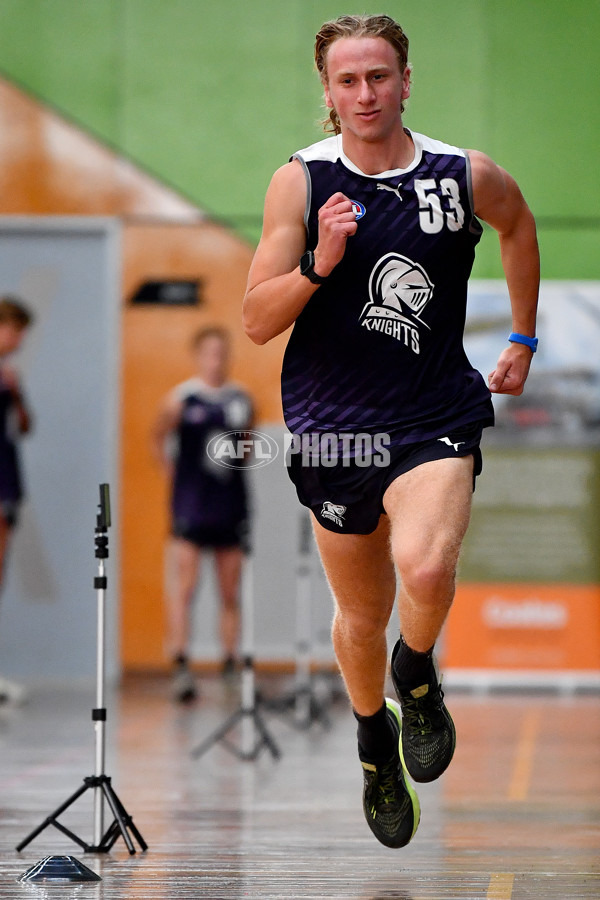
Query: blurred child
[209, 509]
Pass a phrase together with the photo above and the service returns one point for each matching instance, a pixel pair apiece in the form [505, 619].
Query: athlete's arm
[23, 416]
[277, 293]
[500, 203]
[166, 422]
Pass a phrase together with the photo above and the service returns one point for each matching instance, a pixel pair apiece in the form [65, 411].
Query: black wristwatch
[307, 268]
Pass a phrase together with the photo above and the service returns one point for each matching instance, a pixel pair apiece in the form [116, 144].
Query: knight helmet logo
[399, 291]
[398, 285]
[334, 512]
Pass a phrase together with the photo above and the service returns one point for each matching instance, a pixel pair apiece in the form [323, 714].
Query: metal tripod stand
[100, 783]
[302, 701]
[254, 733]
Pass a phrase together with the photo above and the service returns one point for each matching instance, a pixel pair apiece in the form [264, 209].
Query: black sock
[376, 740]
[411, 667]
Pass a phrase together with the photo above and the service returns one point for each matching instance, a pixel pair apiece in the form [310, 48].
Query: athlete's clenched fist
[337, 222]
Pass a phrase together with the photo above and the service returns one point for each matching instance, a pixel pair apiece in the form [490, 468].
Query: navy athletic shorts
[211, 538]
[348, 498]
[9, 510]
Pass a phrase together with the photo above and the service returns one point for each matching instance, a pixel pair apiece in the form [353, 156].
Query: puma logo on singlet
[446, 440]
[333, 511]
[388, 187]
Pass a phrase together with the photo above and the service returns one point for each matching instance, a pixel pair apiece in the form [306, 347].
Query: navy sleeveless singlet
[204, 494]
[379, 346]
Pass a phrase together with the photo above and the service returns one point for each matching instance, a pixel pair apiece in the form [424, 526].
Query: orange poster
[538, 627]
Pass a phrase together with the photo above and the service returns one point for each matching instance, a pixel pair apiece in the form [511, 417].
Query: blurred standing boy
[209, 505]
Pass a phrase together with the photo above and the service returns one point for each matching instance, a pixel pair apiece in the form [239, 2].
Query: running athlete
[209, 506]
[15, 421]
[368, 242]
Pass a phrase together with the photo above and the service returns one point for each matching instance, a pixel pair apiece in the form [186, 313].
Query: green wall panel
[212, 98]
[69, 54]
[546, 109]
[199, 101]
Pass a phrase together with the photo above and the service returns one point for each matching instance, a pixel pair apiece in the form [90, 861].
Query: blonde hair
[209, 331]
[356, 27]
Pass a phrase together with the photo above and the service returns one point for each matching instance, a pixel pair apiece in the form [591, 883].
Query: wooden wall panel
[155, 357]
[50, 167]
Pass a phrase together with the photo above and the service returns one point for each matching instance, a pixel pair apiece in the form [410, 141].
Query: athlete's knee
[430, 579]
[361, 625]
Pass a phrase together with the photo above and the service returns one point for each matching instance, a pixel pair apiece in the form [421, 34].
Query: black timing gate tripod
[255, 735]
[100, 783]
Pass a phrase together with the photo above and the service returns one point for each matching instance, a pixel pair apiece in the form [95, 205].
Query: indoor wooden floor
[517, 815]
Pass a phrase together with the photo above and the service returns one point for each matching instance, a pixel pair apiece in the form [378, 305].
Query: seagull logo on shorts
[334, 512]
[399, 291]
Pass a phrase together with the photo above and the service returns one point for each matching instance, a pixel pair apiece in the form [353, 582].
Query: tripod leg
[70, 834]
[124, 820]
[216, 736]
[114, 804]
[267, 740]
[51, 820]
[247, 713]
[109, 838]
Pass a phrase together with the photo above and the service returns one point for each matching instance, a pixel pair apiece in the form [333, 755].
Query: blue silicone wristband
[516, 338]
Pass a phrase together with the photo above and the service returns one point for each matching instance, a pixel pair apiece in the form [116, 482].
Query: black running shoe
[185, 689]
[228, 668]
[428, 733]
[390, 803]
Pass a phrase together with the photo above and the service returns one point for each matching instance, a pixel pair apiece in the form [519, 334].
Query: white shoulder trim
[432, 146]
[331, 149]
[195, 387]
[187, 388]
[328, 150]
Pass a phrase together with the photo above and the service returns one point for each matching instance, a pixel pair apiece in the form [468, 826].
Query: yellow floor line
[521, 774]
[501, 885]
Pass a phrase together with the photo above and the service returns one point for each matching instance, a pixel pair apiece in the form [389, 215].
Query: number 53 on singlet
[439, 205]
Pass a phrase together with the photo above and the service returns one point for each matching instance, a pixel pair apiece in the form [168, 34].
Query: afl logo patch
[358, 209]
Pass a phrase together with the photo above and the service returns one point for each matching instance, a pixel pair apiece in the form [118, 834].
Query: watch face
[306, 262]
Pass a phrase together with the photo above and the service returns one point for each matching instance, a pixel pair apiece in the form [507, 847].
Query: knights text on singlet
[379, 346]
